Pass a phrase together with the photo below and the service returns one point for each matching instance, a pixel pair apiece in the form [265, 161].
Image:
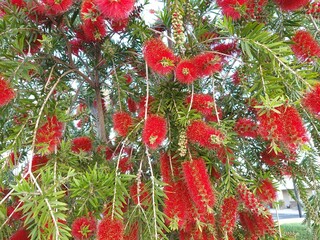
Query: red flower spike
[122, 121]
[120, 26]
[18, 3]
[225, 155]
[271, 158]
[110, 229]
[142, 106]
[49, 135]
[314, 9]
[186, 72]
[16, 215]
[169, 168]
[198, 184]
[304, 46]
[115, 10]
[246, 127]
[311, 101]
[21, 234]
[284, 126]
[249, 200]
[125, 165]
[144, 195]
[133, 233]
[158, 56]
[231, 8]
[204, 135]
[57, 7]
[229, 214]
[154, 131]
[132, 105]
[290, 5]
[6, 92]
[94, 30]
[266, 191]
[203, 103]
[83, 228]
[81, 144]
[207, 64]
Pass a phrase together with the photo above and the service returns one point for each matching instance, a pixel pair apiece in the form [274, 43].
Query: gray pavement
[287, 215]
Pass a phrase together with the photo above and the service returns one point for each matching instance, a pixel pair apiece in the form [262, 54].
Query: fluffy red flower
[266, 191]
[314, 9]
[18, 3]
[207, 64]
[271, 158]
[119, 25]
[304, 46]
[94, 30]
[49, 135]
[21, 234]
[122, 121]
[83, 228]
[154, 131]
[57, 7]
[198, 184]
[115, 10]
[110, 229]
[132, 105]
[81, 144]
[144, 195]
[246, 127]
[15, 215]
[186, 71]
[232, 8]
[227, 48]
[229, 214]
[311, 101]
[6, 92]
[225, 155]
[169, 167]
[203, 103]
[38, 161]
[158, 56]
[125, 165]
[284, 125]
[249, 200]
[142, 106]
[290, 5]
[133, 233]
[204, 135]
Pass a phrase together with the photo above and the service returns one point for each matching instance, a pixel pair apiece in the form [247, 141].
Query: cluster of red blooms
[122, 121]
[83, 228]
[249, 199]
[125, 164]
[271, 158]
[83, 144]
[162, 60]
[311, 101]
[143, 197]
[20, 234]
[203, 103]
[246, 127]
[6, 92]
[49, 135]
[314, 9]
[304, 46]
[198, 183]
[110, 229]
[229, 214]
[204, 135]
[154, 131]
[289, 5]
[283, 126]
[266, 191]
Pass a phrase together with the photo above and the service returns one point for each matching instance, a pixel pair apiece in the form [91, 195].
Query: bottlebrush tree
[115, 127]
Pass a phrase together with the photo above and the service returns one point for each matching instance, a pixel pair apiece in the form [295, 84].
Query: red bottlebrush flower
[144, 195]
[246, 127]
[89, 10]
[266, 191]
[232, 8]
[311, 101]
[49, 135]
[204, 135]
[133, 233]
[142, 106]
[76, 46]
[289, 5]
[115, 10]
[128, 78]
[21, 234]
[229, 214]
[207, 64]
[81, 144]
[83, 228]
[169, 167]
[33, 47]
[283, 125]
[304, 46]
[38, 161]
[158, 56]
[94, 30]
[110, 229]
[255, 8]
[226, 48]
[314, 9]
[122, 121]
[132, 105]
[6, 92]
[57, 7]
[271, 158]
[119, 25]
[198, 184]
[249, 200]
[125, 165]
[236, 78]
[154, 131]
[215, 173]
[18, 3]
[214, 116]
[186, 71]
[203, 103]
[15, 215]
[225, 155]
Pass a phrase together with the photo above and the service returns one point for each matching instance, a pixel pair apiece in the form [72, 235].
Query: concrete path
[287, 216]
